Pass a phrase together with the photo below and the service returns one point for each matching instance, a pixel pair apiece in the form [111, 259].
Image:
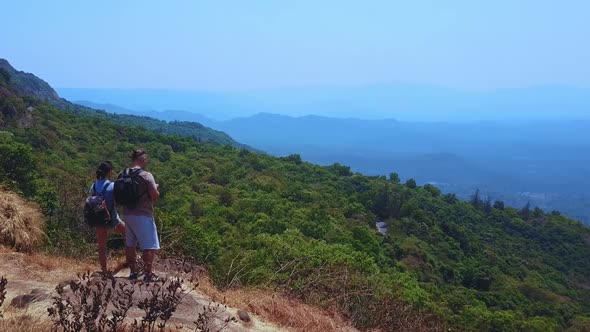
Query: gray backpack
[96, 211]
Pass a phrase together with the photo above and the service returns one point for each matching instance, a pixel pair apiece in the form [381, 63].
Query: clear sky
[254, 44]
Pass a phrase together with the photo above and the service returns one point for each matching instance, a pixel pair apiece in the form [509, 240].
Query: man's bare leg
[148, 261]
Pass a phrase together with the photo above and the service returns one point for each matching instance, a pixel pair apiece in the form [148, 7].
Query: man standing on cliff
[136, 190]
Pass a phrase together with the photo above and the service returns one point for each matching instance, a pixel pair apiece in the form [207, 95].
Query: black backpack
[96, 211]
[126, 189]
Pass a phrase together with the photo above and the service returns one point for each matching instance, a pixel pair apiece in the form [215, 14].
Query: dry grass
[42, 267]
[278, 309]
[23, 322]
[46, 263]
[21, 222]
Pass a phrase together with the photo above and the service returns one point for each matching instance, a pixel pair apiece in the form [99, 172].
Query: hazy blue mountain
[212, 105]
[400, 101]
[168, 115]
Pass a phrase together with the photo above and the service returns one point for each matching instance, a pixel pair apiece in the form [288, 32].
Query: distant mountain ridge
[405, 102]
[168, 115]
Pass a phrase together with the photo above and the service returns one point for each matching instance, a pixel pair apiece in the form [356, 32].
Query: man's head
[139, 158]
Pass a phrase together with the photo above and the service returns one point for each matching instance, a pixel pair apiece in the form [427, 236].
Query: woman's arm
[111, 202]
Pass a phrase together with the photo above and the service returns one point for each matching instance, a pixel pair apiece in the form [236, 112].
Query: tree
[434, 191]
[487, 205]
[295, 158]
[499, 205]
[451, 198]
[411, 183]
[525, 212]
[4, 75]
[196, 209]
[476, 200]
[381, 202]
[17, 167]
[225, 198]
[394, 177]
[538, 212]
[341, 170]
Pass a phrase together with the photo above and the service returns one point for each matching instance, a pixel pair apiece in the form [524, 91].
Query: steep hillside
[309, 231]
[28, 85]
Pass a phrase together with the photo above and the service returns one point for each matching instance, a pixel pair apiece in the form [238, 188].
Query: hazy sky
[227, 45]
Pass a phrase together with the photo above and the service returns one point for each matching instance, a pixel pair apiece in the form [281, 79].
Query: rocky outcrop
[23, 301]
[27, 84]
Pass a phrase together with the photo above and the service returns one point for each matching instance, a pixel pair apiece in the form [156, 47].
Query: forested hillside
[534, 161]
[27, 84]
[309, 231]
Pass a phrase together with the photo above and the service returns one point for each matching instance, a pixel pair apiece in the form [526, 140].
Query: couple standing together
[139, 226]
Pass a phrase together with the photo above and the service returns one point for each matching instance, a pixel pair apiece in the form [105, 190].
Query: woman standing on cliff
[104, 187]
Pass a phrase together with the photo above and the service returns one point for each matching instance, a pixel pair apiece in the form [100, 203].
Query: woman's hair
[103, 169]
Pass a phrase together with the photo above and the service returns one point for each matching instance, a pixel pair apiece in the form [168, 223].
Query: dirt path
[40, 274]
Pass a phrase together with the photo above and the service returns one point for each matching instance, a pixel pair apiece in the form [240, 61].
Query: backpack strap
[106, 185]
[124, 173]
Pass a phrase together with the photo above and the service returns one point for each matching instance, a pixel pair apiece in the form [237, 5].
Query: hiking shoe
[151, 278]
[133, 276]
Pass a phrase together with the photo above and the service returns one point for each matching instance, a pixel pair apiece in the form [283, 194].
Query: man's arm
[152, 188]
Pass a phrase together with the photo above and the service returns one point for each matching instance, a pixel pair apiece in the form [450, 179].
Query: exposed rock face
[38, 291]
[27, 120]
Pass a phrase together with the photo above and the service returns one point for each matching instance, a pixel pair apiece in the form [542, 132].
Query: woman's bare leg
[101, 239]
[120, 229]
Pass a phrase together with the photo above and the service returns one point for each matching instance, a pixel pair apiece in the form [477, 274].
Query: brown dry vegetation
[23, 322]
[277, 308]
[42, 267]
[21, 222]
[268, 306]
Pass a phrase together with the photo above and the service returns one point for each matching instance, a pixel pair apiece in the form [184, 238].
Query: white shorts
[142, 230]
